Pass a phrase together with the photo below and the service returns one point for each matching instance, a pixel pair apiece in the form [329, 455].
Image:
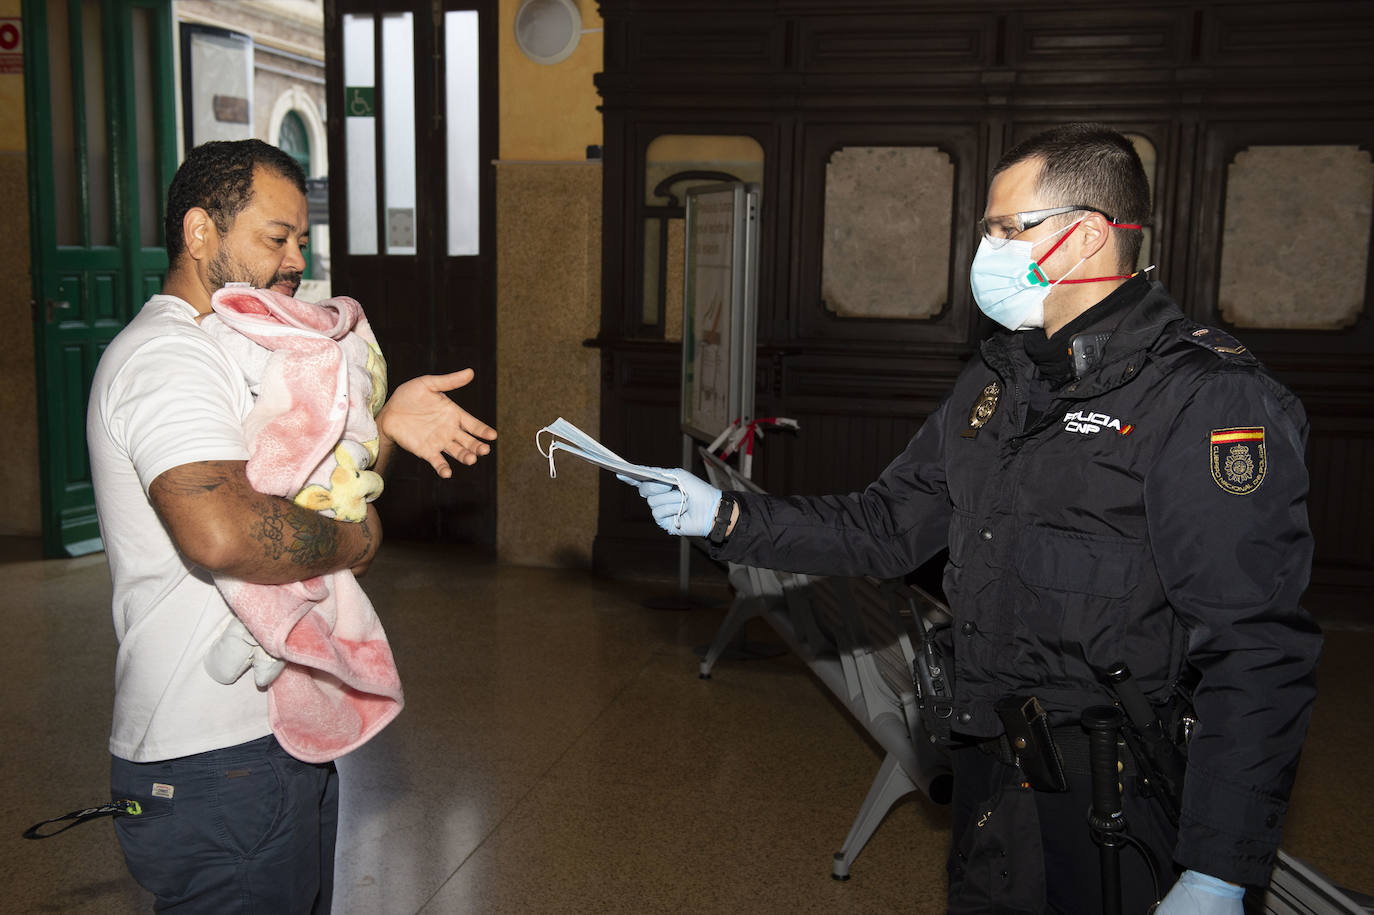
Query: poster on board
[719, 299]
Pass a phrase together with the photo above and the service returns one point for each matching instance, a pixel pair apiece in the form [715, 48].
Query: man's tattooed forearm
[315, 544]
[269, 530]
[307, 539]
[366, 547]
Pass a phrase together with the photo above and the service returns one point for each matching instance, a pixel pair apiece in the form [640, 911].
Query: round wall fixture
[547, 31]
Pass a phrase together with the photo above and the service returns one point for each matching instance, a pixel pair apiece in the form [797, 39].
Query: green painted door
[101, 150]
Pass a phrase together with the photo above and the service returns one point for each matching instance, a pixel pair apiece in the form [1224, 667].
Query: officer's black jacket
[1155, 512]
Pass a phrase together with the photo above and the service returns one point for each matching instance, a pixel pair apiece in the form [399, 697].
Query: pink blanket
[319, 379]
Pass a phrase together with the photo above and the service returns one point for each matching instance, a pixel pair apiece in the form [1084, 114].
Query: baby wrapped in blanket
[318, 379]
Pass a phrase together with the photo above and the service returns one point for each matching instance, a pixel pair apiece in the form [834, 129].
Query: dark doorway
[412, 136]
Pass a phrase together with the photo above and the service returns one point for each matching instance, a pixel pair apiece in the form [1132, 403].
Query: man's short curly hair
[218, 177]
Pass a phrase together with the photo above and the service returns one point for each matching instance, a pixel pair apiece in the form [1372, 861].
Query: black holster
[1157, 741]
[1030, 742]
[932, 674]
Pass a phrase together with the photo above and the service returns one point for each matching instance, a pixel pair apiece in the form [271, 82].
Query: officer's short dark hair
[218, 177]
[1090, 164]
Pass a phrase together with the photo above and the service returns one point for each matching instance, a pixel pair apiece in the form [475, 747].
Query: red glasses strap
[1055, 247]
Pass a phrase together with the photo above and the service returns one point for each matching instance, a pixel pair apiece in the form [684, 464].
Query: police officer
[1115, 484]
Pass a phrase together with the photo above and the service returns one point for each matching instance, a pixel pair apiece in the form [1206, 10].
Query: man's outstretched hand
[421, 418]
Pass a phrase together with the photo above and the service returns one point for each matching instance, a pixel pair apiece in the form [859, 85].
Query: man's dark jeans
[245, 829]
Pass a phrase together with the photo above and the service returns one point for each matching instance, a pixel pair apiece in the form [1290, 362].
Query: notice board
[720, 303]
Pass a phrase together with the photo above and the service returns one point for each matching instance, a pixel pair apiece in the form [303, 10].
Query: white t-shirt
[165, 394]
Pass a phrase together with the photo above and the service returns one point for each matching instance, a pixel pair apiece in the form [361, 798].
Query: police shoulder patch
[1218, 341]
[1238, 459]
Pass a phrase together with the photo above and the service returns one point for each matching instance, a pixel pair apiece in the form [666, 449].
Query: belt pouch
[1028, 731]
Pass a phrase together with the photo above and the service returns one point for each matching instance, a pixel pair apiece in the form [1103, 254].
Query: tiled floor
[558, 754]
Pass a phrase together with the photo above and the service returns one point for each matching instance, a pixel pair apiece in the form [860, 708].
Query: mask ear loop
[553, 473]
[1037, 278]
[1065, 277]
[682, 501]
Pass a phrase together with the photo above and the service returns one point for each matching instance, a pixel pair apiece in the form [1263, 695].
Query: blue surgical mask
[1008, 284]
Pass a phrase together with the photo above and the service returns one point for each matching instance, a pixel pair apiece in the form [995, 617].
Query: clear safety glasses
[999, 230]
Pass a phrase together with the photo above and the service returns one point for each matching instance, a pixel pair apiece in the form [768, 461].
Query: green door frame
[84, 293]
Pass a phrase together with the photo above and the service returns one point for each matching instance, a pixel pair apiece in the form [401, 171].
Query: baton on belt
[1160, 761]
[1105, 818]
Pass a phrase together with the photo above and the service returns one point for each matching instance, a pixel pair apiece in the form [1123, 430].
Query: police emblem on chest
[984, 406]
[1238, 462]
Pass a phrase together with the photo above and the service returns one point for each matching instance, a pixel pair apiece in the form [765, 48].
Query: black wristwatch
[722, 523]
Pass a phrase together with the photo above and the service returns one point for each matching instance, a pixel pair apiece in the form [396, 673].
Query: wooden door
[412, 138]
[101, 151]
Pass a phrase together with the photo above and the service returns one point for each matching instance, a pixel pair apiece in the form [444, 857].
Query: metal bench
[858, 636]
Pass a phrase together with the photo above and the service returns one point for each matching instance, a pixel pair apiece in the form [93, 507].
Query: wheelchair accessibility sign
[360, 101]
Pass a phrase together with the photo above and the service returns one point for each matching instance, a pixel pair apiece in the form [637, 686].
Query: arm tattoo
[283, 529]
[367, 544]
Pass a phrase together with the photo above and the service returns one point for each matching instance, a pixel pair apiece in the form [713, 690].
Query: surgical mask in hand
[564, 436]
[1007, 282]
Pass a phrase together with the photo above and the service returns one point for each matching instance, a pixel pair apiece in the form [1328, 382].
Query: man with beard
[230, 821]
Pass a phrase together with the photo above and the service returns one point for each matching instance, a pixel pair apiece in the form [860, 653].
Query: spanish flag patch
[1237, 456]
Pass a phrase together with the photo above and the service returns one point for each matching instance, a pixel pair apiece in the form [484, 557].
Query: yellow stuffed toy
[349, 491]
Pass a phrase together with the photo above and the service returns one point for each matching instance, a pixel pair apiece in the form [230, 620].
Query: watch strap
[724, 511]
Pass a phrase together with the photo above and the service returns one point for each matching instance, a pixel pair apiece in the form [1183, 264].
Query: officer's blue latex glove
[1201, 894]
[695, 517]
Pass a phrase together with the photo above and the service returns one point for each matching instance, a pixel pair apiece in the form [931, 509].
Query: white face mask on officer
[1008, 284]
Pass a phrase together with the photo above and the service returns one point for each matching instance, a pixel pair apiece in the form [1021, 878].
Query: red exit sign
[11, 45]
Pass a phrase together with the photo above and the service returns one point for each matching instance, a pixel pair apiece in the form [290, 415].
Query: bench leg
[742, 609]
[891, 785]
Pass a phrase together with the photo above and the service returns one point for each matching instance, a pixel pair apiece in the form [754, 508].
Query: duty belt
[1072, 743]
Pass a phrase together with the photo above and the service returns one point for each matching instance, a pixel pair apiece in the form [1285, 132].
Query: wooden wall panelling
[1175, 204]
[1200, 80]
[1219, 143]
[835, 451]
[920, 47]
[617, 216]
[778, 207]
[686, 41]
[815, 322]
[1330, 371]
[855, 413]
[639, 420]
[1320, 43]
[1340, 504]
[1108, 46]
